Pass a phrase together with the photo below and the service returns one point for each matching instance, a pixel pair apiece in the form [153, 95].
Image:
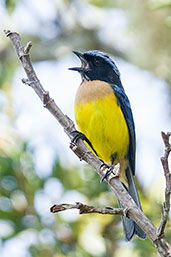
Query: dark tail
[129, 226]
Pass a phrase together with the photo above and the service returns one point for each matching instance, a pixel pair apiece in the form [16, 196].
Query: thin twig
[28, 47]
[167, 174]
[84, 209]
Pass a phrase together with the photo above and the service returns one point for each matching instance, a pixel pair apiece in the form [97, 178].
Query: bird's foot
[114, 170]
[78, 135]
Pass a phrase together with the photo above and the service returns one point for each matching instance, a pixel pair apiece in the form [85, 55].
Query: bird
[105, 121]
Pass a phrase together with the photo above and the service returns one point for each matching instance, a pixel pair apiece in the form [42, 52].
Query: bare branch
[84, 209]
[167, 174]
[82, 151]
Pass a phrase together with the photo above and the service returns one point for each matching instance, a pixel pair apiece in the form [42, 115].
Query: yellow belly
[101, 120]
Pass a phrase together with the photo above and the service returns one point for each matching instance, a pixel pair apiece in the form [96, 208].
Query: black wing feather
[130, 227]
[127, 112]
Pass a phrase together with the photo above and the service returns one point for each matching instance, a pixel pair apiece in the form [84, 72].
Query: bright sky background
[148, 96]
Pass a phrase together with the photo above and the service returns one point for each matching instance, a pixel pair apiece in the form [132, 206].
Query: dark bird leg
[110, 168]
[78, 135]
[108, 172]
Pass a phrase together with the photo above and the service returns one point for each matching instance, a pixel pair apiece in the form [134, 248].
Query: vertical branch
[167, 174]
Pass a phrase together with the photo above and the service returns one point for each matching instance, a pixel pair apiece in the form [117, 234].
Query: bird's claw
[78, 135]
[110, 170]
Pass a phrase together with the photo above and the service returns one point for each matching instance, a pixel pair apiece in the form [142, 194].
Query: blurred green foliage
[149, 27]
[10, 5]
[59, 237]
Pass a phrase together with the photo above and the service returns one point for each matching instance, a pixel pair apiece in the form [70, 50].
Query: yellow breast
[100, 118]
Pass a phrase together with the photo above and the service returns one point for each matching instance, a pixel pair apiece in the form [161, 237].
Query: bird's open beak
[84, 63]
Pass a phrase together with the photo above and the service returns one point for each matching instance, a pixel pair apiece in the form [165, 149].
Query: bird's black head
[97, 65]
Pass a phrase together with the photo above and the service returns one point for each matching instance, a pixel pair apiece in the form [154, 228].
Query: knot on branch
[29, 82]
[46, 99]
[125, 211]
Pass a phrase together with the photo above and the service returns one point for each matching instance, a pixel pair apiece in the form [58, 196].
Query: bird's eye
[97, 62]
